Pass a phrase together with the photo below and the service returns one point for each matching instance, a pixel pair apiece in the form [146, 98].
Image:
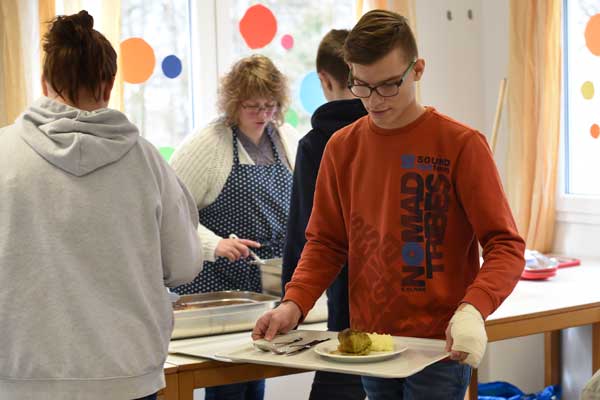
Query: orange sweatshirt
[407, 208]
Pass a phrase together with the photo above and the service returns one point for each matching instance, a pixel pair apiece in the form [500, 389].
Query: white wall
[465, 61]
[453, 62]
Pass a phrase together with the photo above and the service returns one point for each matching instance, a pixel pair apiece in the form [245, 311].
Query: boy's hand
[466, 338]
[279, 320]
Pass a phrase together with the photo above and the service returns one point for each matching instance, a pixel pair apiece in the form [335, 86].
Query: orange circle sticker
[592, 34]
[595, 131]
[137, 61]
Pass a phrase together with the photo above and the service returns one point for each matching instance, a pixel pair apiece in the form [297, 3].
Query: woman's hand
[235, 249]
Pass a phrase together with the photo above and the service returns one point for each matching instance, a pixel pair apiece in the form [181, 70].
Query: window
[160, 105]
[582, 81]
[180, 49]
[157, 88]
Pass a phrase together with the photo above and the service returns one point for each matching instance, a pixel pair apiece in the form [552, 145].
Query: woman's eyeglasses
[255, 109]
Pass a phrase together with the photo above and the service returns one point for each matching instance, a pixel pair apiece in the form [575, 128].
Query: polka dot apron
[253, 204]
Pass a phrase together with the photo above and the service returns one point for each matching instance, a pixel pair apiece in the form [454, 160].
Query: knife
[306, 346]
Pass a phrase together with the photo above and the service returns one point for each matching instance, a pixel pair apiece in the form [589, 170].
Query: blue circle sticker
[311, 94]
[171, 66]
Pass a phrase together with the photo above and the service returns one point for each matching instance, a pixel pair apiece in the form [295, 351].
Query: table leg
[186, 385]
[552, 358]
[595, 347]
[170, 392]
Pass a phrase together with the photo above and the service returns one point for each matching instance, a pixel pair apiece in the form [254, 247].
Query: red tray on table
[565, 262]
[540, 273]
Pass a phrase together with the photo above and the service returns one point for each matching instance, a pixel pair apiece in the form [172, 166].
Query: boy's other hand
[466, 338]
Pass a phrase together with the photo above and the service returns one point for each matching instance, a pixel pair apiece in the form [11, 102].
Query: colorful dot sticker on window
[587, 90]
[311, 94]
[166, 152]
[595, 131]
[592, 35]
[258, 26]
[291, 117]
[287, 41]
[171, 66]
[138, 60]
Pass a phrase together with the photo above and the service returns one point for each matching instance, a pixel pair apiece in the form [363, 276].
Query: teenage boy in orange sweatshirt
[406, 195]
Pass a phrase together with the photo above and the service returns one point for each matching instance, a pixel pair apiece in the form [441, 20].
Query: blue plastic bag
[507, 391]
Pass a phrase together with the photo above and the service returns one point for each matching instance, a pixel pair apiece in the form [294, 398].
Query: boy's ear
[419, 68]
[326, 80]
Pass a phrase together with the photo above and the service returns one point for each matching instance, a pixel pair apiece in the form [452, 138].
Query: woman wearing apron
[238, 170]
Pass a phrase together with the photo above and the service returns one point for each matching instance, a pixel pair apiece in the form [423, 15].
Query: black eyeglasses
[387, 89]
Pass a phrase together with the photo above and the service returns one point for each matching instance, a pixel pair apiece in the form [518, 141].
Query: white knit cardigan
[203, 162]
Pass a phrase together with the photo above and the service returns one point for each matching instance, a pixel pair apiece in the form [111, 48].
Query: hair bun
[83, 19]
[72, 30]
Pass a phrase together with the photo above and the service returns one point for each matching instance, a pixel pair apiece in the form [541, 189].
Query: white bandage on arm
[468, 334]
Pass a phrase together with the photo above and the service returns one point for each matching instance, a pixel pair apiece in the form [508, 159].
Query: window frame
[570, 208]
[205, 69]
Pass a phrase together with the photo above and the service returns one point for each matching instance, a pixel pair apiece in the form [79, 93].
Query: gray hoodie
[93, 225]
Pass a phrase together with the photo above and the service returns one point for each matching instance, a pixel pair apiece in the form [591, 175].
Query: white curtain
[19, 55]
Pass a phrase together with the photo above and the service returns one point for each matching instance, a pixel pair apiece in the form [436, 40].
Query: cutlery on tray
[302, 347]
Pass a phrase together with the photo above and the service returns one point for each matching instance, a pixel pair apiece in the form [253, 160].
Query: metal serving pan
[270, 274]
[214, 313]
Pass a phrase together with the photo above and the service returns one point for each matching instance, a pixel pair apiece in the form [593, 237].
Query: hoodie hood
[335, 115]
[74, 140]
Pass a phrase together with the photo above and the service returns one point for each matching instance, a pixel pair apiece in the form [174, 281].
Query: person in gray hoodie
[93, 225]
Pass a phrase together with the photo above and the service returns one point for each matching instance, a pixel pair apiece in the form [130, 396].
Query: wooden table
[570, 299]
[194, 373]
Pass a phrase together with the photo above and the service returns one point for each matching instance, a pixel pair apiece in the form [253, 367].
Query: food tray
[419, 354]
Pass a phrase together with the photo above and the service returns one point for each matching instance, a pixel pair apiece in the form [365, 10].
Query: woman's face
[255, 114]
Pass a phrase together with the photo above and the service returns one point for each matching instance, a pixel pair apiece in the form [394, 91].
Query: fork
[302, 347]
[290, 342]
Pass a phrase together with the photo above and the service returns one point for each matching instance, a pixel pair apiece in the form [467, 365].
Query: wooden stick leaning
[499, 106]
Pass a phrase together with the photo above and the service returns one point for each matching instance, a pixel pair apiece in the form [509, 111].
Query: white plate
[325, 350]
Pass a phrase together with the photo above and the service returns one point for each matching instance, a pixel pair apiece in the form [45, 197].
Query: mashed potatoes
[381, 342]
